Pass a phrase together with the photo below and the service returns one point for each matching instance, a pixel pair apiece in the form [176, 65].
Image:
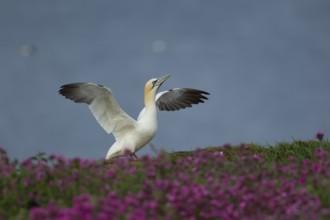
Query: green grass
[278, 153]
[86, 182]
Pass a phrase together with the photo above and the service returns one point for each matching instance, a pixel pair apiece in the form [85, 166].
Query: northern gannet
[131, 135]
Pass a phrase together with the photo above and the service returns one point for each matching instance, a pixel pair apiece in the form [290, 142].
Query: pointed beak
[161, 80]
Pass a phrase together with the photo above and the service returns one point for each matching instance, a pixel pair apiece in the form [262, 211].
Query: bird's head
[153, 85]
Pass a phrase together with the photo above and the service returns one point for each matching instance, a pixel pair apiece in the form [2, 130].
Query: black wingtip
[72, 92]
[204, 92]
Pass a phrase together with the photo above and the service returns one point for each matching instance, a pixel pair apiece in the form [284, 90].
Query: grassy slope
[278, 153]
[281, 153]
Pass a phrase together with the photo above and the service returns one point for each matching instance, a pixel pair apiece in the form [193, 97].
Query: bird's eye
[154, 83]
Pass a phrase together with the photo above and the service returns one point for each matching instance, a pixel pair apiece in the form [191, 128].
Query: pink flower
[319, 135]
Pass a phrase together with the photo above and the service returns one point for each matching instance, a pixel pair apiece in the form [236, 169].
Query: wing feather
[102, 104]
[176, 99]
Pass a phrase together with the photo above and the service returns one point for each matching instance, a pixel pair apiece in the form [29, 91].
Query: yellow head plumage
[151, 89]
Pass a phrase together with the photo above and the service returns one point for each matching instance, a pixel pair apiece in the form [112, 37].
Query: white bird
[131, 135]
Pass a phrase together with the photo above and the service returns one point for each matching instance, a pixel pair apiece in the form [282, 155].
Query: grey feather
[176, 99]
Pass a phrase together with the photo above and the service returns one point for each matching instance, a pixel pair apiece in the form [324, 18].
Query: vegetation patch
[285, 181]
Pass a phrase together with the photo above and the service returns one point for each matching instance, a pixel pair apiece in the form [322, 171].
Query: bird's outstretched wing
[180, 98]
[102, 104]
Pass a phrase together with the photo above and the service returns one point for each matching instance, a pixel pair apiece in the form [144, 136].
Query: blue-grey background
[265, 63]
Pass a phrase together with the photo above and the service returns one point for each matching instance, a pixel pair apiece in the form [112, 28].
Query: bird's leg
[134, 155]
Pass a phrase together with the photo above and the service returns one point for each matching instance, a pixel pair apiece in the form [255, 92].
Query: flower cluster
[204, 185]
